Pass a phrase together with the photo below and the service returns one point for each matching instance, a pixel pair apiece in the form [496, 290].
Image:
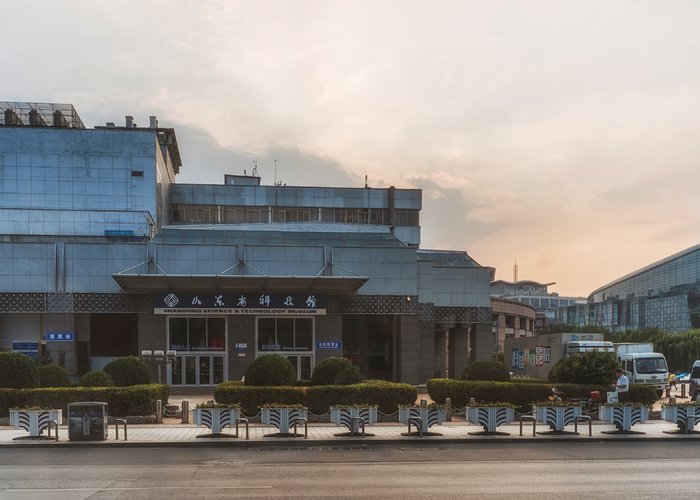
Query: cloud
[560, 134]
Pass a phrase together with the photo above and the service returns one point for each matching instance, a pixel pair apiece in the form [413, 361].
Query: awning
[331, 285]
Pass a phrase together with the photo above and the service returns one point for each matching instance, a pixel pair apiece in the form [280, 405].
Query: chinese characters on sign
[538, 356]
[60, 336]
[258, 303]
[329, 344]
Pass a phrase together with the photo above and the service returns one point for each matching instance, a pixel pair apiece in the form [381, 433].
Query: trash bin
[87, 421]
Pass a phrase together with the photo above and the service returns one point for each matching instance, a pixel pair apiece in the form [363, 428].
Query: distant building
[103, 255]
[511, 319]
[535, 294]
[664, 295]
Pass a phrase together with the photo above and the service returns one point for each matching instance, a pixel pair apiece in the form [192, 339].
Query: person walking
[622, 386]
[671, 380]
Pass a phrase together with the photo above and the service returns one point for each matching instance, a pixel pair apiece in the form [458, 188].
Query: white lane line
[137, 488]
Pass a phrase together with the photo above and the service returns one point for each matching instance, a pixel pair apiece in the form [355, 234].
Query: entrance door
[198, 369]
[302, 365]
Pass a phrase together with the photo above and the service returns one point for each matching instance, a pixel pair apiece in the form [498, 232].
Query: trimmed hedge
[387, 395]
[521, 394]
[121, 401]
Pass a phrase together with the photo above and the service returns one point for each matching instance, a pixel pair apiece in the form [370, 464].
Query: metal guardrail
[244, 420]
[299, 421]
[116, 427]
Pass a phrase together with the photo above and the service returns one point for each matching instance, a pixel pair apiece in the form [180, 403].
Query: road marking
[138, 488]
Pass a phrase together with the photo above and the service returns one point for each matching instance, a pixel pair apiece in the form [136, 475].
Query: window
[285, 334]
[197, 334]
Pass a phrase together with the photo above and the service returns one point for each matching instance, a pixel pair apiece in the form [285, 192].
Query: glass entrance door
[198, 369]
[302, 365]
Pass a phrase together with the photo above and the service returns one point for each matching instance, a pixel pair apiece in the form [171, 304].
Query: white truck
[535, 356]
[643, 366]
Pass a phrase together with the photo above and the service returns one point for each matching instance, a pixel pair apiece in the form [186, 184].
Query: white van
[647, 368]
[695, 380]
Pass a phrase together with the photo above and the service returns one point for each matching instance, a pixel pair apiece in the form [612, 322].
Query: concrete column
[459, 347]
[410, 350]
[481, 342]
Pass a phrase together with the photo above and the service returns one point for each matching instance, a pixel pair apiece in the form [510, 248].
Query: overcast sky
[561, 134]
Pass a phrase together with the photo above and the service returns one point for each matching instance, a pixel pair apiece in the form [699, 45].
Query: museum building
[103, 254]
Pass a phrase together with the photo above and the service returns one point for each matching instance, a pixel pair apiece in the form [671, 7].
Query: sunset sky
[561, 134]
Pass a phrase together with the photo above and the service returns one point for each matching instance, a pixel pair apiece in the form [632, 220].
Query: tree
[594, 367]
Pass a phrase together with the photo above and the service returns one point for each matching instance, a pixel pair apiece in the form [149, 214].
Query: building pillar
[459, 345]
[481, 341]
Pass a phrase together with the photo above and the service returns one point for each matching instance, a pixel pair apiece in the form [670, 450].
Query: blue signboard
[329, 344]
[27, 347]
[60, 336]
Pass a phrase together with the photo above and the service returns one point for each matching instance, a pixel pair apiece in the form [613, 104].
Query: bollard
[159, 411]
[185, 412]
[682, 390]
[668, 392]
[424, 402]
[448, 409]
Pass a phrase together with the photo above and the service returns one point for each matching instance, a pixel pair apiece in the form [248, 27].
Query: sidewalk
[323, 434]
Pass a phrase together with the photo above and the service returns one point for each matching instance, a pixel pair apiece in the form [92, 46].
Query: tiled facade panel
[461, 287]
[284, 261]
[391, 271]
[57, 176]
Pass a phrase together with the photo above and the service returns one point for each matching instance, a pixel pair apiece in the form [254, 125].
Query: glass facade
[228, 214]
[664, 295]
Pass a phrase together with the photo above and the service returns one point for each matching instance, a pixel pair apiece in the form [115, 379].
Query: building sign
[538, 356]
[260, 303]
[242, 347]
[60, 336]
[329, 344]
[28, 347]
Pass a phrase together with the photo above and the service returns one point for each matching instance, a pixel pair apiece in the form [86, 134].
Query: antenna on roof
[255, 168]
[515, 271]
[277, 183]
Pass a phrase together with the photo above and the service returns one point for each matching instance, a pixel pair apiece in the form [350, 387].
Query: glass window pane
[304, 334]
[285, 333]
[178, 334]
[266, 335]
[204, 370]
[218, 370]
[190, 370]
[217, 334]
[198, 334]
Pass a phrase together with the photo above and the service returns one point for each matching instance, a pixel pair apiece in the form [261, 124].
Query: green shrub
[460, 392]
[387, 395]
[594, 367]
[640, 393]
[486, 370]
[127, 371]
[17, 370]
[250, 398]
[121, 401]
[96, 379]
[348, 376]
[270, 370]
[53, 376]
[327, 371]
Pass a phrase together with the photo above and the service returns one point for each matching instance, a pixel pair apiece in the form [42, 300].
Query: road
[424, 470]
